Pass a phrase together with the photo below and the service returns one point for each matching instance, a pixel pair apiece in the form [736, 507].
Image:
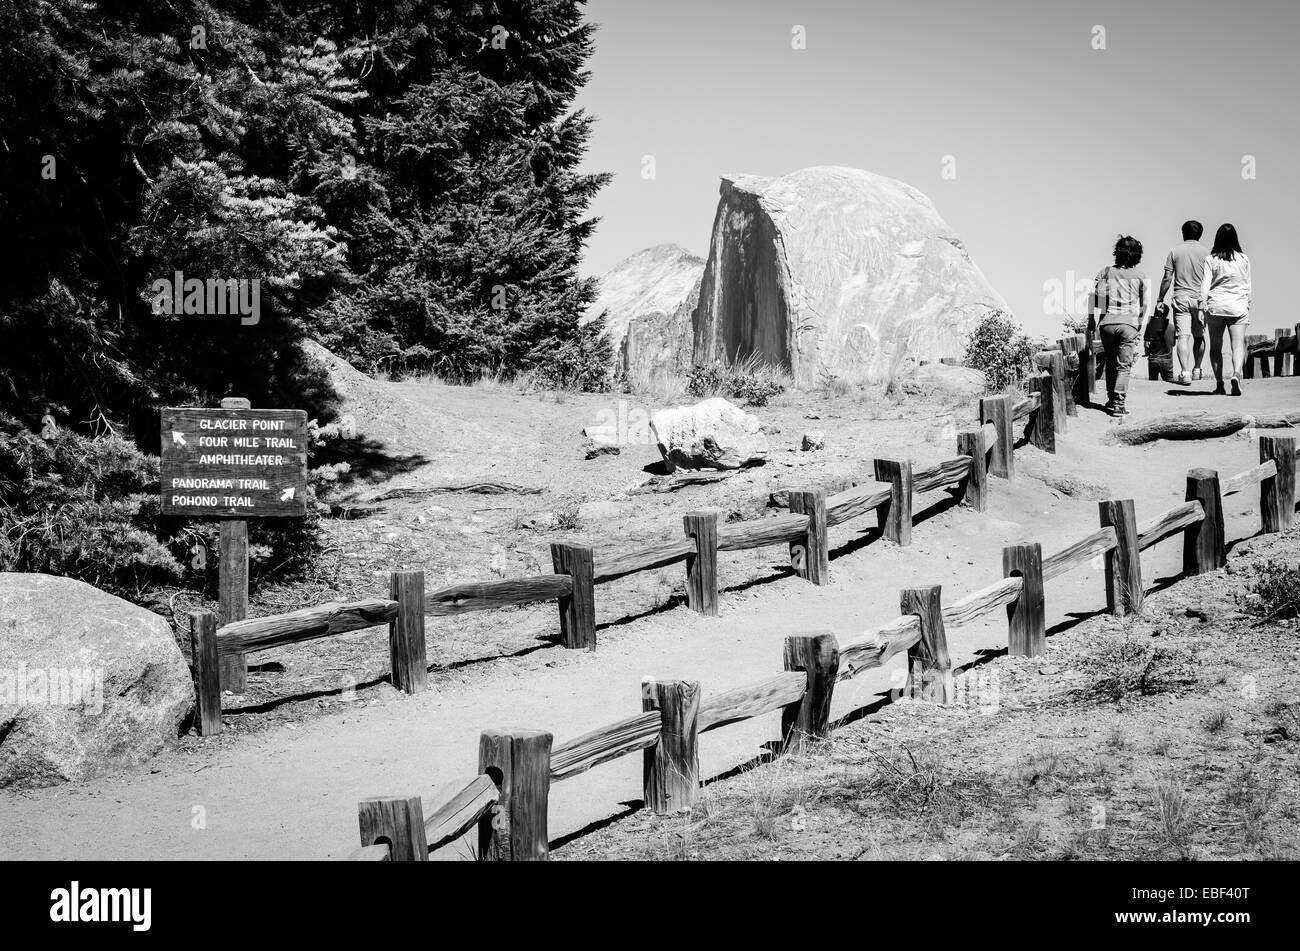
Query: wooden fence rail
[509, 805]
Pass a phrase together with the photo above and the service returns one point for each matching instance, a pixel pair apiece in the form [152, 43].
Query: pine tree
[142, 139]
[470, 259]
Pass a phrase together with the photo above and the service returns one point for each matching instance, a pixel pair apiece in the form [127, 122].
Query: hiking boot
[1236, 387]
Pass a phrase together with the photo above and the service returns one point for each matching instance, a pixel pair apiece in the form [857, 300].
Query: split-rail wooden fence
[507, 802]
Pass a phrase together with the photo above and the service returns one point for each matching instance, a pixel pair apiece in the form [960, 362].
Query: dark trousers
[1119, 344]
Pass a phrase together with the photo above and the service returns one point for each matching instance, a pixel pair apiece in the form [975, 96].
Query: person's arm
[1206, 279]
[1144, 292]
[1245, 273]
[1167, 281]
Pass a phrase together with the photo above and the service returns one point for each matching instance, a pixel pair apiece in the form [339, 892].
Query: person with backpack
[1225, 300]
[1156, 345]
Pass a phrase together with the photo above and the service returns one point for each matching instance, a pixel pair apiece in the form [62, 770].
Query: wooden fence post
[232, 581]
[1082, 389]
[1000, 411]
[519, 762]
[1070, 347]
[1203, 545]
[1279, 355]
[1027, 615]
[929, 668]
[1277, 492]
[397, 821]
[1053, 361]
[207, 672]
[975, 486]
[1041, 426]
[671, 775]
[406, 651]
[817, 655]
[702, 567]
[1124, 592]
[810, 555]
[578, 608]
[232, 587]
[895, 516]
[1252, 341]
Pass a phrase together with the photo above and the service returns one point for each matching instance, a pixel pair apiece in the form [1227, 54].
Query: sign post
[234, 463]
[232, 581]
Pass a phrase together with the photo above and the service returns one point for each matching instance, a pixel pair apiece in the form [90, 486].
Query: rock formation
[88, 682]
[648, 300]
[835, 270]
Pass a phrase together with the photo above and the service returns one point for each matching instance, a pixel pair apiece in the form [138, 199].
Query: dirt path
[291, 791]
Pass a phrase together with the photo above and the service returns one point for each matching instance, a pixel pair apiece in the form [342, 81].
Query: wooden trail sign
[234, 463]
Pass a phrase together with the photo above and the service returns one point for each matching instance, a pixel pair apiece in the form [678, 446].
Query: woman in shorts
[1225, 301]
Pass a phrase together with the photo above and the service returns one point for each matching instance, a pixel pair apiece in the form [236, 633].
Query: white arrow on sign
[178, 439]
[287, 495]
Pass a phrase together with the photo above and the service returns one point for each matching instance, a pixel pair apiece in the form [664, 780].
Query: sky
[1053, 147]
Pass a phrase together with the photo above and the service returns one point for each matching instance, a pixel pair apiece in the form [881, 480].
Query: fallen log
[1199, 426]
[473, 488]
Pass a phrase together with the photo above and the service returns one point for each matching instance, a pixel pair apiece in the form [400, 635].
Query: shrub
[583, 363]
[81, 507]
[752, 380]
[1275, 591]
[1001, 349]
[1075, 324]
[1122, 666]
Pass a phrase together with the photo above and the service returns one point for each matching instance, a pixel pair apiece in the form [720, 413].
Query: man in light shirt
[1183, 271]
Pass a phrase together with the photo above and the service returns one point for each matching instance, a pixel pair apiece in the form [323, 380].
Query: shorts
[1187, 318]
[1228, 320]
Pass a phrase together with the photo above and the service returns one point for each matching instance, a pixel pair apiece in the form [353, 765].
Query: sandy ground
[287, 787]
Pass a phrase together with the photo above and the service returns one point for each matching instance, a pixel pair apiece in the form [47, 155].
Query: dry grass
[1170, 798]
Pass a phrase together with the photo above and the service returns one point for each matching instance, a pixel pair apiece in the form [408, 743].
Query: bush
[752, 381]
[1123, 666]
[83, 508]
[583, 364]
[1275, 591]
[1001, 349]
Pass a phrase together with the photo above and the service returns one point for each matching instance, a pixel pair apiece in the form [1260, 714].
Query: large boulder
[713, 434]
[88, 682]
[835, 270]
[648, 301]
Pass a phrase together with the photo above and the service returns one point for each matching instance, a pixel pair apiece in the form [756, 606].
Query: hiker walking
[1118, 309]
[1183, 271]
[1225, 300]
